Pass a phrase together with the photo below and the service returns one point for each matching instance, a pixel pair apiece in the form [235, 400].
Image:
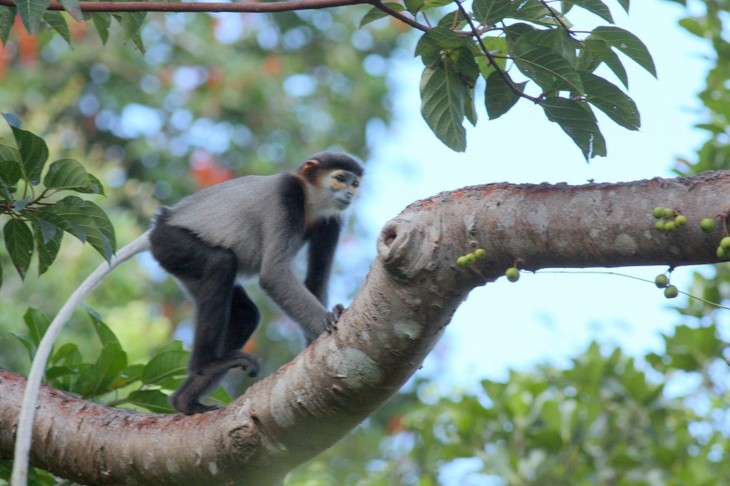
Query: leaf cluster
[37, 213]
[35, 14]
[518, 48]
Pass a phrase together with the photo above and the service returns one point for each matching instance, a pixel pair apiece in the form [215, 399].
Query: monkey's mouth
[343, 203]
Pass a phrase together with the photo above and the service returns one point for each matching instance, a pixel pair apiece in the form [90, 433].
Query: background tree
[458, 44]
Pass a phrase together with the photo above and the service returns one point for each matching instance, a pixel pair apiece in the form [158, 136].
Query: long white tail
[30, 397]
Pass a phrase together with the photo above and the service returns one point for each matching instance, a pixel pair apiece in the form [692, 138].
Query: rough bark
[413, 288]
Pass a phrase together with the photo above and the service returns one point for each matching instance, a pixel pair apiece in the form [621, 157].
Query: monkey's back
[235, 214]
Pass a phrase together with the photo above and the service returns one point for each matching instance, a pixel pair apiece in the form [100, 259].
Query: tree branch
[413, 288]
[254, 7]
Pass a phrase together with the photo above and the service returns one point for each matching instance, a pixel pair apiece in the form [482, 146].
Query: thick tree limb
[410, 294]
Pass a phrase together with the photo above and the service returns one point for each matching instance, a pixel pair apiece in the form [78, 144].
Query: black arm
[322, 245]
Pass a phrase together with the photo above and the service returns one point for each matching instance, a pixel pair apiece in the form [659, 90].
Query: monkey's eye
[356, 183]
[340, 178]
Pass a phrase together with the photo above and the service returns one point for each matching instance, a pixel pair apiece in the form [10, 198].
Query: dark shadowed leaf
[579, 123]
[19, 244]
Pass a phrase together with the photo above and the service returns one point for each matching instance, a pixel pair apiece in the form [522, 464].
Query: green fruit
[461, 261]
[661, 281]
[659, 225]
[680, 221]
[669, 226]
[658, 213]
[512, 274]
[671, 292]
[725, 242]
[722, 253]
[668, 213]
[480, 253]
[708, 225]
[470, 258]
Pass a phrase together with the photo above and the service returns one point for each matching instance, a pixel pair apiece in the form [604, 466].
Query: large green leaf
[73, 7]
[10, 172]
[165, 365]
[436, 40]
[102, 22]
[95, 380]
[32, 149]
[58, 23]
[611, 100]
[442, 104]
[578, 122]
[490, 12]
[86, 221]
[19, 243]
[499, 97]
[106, 335]
[37, 323]
[153, 400]
[601, 50]
[70, 175]
[594, 6]
[628, 43]
[7, 15]
[31, 12]
[547, 67]
[48, 243]
[376, 14]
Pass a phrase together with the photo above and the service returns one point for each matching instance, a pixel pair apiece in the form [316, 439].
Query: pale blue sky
[549, 316]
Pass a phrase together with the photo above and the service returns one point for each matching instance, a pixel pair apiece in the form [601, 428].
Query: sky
[548, 316]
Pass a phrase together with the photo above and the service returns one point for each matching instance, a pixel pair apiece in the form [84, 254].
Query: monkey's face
[343, 186]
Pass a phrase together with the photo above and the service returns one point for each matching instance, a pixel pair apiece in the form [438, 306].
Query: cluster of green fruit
[668, 220]
[662, 282]
[708, 225]
[471, 258]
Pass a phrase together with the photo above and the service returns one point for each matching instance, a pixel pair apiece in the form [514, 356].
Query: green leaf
[602, 50]
[48, 243]
[548, 68]
[376, 14]
[153, 400]
[19, 243]
[31, 12]
[436, 40]
[10, 172]
[442, 104]
[165, 365]
[95, 380]
[27, 344]
[498, 95]
[106, 335]
[58, 23]
[37, 323]
[102, 22]
[490, 12]
[7, 16]
[74, 9]
[627, 43]
[33, 152]
[413, 6]
[625, 4]
[86, 221]
[611, 100]
[578, 122]
[595, 6]
[69, 174]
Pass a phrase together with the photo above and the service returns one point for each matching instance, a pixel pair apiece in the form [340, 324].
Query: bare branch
[254, 7]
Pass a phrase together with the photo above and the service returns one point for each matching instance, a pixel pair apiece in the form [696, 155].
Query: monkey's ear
[309, 169]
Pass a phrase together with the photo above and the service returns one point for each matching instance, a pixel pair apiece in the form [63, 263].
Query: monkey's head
[333, 180]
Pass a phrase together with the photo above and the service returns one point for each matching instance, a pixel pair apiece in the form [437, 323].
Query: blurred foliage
[210, 98]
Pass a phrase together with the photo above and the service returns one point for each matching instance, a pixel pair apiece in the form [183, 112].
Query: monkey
[251, 225]
[248, 226]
